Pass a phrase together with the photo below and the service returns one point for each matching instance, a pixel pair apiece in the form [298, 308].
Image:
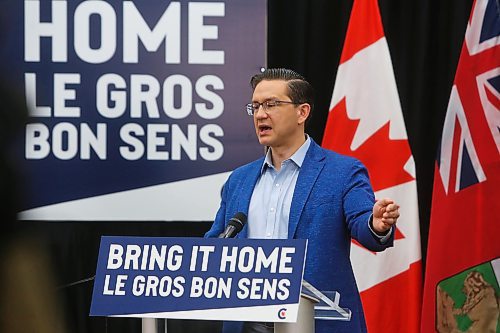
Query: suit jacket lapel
[309, 172]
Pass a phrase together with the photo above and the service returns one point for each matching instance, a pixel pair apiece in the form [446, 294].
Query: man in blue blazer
[300, 190]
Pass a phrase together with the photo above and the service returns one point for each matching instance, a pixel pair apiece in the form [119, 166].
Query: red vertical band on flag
[364, 14]
[405, 293]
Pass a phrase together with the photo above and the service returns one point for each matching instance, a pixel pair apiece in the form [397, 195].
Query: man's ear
[303, 111]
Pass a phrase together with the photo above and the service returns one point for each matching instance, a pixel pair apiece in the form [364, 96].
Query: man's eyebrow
[268, 99]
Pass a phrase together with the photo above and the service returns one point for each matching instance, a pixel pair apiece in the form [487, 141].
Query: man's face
[278, 125]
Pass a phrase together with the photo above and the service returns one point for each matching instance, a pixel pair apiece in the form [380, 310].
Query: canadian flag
[366, 122]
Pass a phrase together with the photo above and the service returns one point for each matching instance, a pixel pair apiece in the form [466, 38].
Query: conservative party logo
[282, 313]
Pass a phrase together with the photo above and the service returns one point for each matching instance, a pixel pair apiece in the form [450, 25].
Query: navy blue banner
[195, 278]
[128, 95]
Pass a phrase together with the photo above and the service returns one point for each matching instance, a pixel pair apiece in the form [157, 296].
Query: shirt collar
[297, 157]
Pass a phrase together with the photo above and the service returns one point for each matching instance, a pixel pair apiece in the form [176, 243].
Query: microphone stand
[64, 286]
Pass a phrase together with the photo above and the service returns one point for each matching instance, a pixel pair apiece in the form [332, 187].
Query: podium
[243, 280]
[313, 305]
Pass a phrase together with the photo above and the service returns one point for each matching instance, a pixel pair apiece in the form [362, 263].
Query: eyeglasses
[253, 108]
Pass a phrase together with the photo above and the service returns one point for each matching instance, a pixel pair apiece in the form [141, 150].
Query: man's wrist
[378, 233]
[383, 237]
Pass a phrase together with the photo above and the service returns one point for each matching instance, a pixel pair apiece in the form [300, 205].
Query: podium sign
[197, 278]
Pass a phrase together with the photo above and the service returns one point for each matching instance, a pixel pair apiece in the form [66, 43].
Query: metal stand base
[152, 325]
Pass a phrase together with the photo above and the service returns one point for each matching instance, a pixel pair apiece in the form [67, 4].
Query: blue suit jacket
[332, 202]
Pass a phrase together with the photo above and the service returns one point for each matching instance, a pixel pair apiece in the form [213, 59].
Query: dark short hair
[299, 90]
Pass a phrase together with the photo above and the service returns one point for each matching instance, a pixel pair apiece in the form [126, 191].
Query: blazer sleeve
[358, 207]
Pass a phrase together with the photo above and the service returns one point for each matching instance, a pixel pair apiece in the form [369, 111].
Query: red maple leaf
[383, 157]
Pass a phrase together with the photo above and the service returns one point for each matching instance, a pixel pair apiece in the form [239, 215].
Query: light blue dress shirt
[269, 209]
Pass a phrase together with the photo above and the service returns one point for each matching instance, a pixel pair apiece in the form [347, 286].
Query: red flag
[461, 284]
[366, 121]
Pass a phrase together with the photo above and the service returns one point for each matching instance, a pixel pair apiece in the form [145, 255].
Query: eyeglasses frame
[251, 111]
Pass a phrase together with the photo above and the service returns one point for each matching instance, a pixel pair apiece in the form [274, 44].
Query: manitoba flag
[366, 121]
[461, 291]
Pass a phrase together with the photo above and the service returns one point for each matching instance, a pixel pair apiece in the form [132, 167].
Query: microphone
[236, 223]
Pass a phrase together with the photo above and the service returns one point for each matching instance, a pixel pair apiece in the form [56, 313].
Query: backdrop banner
[136, 108]
[197, 278]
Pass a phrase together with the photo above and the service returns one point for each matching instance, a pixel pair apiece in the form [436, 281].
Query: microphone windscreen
[238, 221]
